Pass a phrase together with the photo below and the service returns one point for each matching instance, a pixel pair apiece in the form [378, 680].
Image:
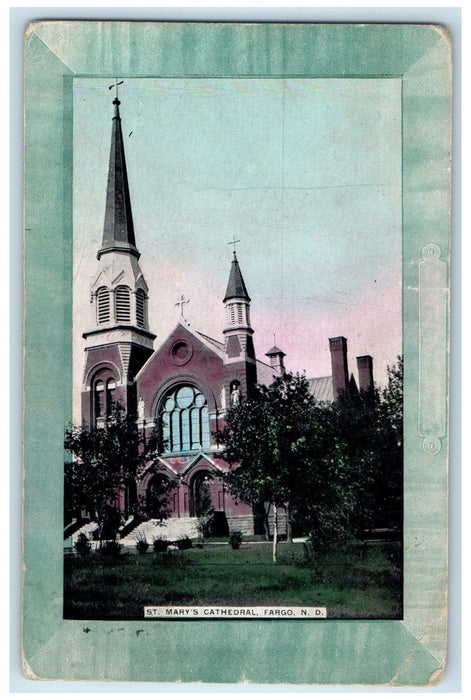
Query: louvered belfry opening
[103, 305]
[123, 304]
[140, 308]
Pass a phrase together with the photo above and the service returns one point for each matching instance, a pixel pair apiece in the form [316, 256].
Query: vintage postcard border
[334, 652]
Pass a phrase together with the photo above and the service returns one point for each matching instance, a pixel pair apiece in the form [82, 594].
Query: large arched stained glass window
[185, 420]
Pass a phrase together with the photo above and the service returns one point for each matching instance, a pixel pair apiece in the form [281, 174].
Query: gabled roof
[236, 286]
[215, 344]
[197, 458]
[118, 229]
[265, 373]
[210, 343]
[322, 388]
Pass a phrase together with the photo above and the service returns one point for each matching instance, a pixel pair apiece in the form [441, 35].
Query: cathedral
[184, 385]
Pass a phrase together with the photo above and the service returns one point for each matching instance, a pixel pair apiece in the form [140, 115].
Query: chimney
[365, 372]
[338, 355]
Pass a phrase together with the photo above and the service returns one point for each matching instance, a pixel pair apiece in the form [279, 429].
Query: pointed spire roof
[236, 285]
[118, 230]
[275, 351]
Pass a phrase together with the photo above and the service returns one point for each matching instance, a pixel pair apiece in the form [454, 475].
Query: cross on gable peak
[181, 302]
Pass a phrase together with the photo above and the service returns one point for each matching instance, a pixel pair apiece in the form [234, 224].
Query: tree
[338, 466]
[390, 450]
[104, 461]
[264, 443]
[361, 470]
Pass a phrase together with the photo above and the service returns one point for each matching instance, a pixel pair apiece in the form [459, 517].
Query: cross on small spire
[181, 302]
[115, 85]
[233, 243]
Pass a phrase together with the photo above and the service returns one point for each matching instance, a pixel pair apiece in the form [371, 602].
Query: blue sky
[306, 173]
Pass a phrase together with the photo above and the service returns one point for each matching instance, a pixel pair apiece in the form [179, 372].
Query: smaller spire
[236, 286]
[276, 358]
[275, 351]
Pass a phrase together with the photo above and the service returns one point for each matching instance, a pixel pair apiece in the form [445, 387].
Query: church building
[183, 384]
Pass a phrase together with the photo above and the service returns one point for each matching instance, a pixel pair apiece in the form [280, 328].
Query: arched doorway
[160, 497]
[200, 494]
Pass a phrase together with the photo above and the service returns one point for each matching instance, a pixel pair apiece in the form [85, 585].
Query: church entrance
[159, 497]
[200, 494]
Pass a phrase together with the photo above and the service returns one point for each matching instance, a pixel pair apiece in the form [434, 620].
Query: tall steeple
[118, 230]
[120, 341]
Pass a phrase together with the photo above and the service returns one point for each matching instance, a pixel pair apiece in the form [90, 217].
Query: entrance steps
[171, 530]
[89, 529]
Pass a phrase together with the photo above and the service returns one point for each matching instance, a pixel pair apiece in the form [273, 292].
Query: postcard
[236, 352]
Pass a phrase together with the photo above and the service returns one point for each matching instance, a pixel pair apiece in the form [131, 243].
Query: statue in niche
[235, 394]
[140, 409]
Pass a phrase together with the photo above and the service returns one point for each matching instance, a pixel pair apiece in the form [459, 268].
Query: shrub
[142, 546]
[204, 524]
[110, 548]
[184, 542]
[160, 545]
[235, 539]
[82, 546]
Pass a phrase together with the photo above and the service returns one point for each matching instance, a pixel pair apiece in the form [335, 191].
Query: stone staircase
[88, 529]
[171, 530]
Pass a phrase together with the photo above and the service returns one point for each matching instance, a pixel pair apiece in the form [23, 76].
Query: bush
[184, 542]
[82, 546]
[204, 524]
[160, 545]
[235, 539]
[111, 548]
[142, 545]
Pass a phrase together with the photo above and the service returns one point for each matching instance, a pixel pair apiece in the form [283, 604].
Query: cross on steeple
[181, 302]
[115, 85]
[233, 243]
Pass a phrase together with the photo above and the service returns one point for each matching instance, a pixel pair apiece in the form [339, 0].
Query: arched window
[99, 399]
[104, 396]
[103, 305]
[122, 297]
[110, 395]
[140, 308]
[185, 420]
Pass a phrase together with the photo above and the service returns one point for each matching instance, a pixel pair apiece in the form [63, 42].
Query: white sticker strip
[246, 613]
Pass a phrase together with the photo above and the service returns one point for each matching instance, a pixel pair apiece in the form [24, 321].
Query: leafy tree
[265, 441]
[338, 466]
[390, 451]
[104, 461]
[362, 467]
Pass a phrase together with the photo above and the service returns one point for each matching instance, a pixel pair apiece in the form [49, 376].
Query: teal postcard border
[394, 653]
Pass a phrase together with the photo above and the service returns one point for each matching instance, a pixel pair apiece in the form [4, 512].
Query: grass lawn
[350, 584]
